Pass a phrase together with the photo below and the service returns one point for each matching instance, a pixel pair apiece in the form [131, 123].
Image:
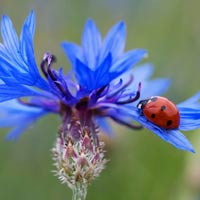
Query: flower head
[101, 68]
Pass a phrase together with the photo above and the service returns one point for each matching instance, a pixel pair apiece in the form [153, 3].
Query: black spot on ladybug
[153, 115]
[162, 108]
[153, 99]
[169, 122]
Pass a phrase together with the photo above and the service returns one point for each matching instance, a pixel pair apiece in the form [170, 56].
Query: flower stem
[79, 191]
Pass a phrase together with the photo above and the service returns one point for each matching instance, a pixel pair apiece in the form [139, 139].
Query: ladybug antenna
[135, 98]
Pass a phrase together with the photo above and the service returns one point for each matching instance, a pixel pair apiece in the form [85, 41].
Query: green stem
[79, 192]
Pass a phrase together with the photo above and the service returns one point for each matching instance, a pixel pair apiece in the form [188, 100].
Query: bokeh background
[141, 166]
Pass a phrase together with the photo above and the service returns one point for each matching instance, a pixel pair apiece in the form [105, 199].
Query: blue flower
[105, 85]
[20, 77]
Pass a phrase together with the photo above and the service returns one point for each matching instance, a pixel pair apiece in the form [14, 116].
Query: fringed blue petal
[102, 75]
[9, 92]
[176, 138]
[10, 38]
[73, 52]
[16, 132]
[190, 113]
[142, 72]
[188, 124]
[84, 75]
[9, 62]
[193, 101]
[114, 41]
[127, 60]
[37, 80]
[154, 87]
[18, 116]
[105, 125]
[30, 22]
[91, 43]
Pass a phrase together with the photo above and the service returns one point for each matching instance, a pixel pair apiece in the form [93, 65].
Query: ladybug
[160, 111]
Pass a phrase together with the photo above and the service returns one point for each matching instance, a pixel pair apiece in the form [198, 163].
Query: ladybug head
[142, 104]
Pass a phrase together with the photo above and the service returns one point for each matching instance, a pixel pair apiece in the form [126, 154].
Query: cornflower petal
[190, 113]
[114, 41]
[17, 131]
[37, 80]
[177, 139]
[127, 60]
[188, 124]
[142, 72]
[194, 101]
[8, 92]
[105, 125]
[102, 75]
[9, 35]
[150, 87]
[30, 22]
[84, 74]
[73, 52]
[8, 64]
[91, 43]
[19, 116]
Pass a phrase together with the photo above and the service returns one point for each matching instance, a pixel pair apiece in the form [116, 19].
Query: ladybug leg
[135, 98]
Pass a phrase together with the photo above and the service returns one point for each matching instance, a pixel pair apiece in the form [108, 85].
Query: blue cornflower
[20, 76]
[101, 84]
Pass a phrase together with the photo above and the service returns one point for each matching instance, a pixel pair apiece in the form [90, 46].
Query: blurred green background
[141, 166]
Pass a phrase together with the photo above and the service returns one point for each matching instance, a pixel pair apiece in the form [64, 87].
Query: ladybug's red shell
[161, 112]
